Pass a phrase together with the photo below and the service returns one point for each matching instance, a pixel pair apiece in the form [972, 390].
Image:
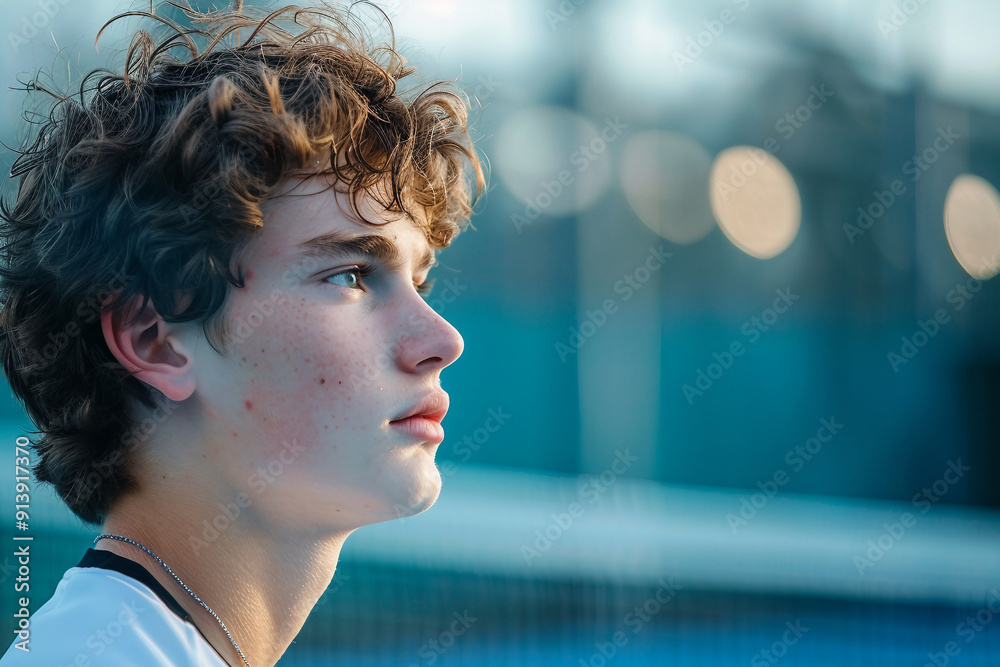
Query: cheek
[306, 376]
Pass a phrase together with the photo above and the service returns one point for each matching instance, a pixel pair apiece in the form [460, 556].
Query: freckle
[248, 404]
[244, 358]
[255, 365]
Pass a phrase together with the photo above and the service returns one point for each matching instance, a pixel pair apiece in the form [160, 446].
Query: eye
[424, 288]
[352, 276]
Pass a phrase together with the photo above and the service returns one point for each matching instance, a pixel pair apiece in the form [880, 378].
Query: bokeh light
[972, 223]
[755, 201]
[552, 159]
[665, 178]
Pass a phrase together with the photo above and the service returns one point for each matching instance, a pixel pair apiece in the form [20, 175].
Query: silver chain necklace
[209, 609]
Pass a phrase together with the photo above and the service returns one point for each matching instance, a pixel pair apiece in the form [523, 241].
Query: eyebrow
[334, 245]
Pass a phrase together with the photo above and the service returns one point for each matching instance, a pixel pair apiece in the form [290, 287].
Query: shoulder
[103, 617]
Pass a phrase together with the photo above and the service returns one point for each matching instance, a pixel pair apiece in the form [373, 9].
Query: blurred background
[729, 391]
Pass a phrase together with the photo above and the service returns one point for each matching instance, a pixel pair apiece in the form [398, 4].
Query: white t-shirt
[109, 611]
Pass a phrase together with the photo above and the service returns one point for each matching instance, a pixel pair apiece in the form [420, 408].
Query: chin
[424, 491]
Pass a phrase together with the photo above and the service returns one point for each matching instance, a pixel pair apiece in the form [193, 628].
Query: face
[323, 356]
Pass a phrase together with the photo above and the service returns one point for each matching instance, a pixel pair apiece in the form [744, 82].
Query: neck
[261, 579]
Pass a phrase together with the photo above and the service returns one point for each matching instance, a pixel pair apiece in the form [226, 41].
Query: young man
[212, 308]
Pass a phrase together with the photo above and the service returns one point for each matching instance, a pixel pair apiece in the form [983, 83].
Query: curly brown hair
[148, 183]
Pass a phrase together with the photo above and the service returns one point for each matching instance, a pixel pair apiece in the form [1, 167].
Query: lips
[421, 428]
[423, 419]
[432, 406]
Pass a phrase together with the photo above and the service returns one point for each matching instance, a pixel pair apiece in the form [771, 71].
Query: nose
[431, 343]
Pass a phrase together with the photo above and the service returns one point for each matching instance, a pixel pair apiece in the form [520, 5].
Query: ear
[150, 349]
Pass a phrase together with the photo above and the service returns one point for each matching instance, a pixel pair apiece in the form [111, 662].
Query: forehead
[308, 215]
